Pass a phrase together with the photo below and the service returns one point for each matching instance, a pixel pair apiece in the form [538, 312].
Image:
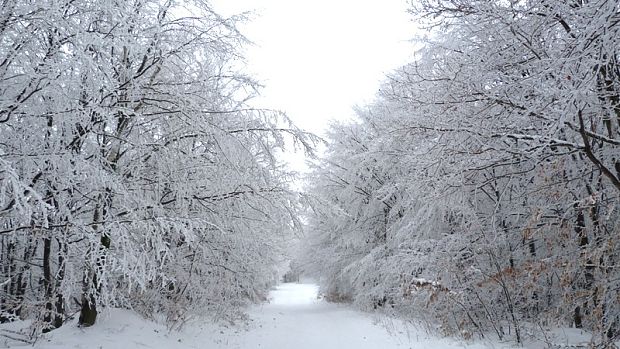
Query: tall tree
[500, 143]
[135, 173]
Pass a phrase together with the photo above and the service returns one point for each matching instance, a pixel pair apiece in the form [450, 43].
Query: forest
[133, 171]
[478, 194]
[480, 190]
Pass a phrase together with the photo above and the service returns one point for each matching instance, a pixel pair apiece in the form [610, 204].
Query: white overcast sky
[319, 58]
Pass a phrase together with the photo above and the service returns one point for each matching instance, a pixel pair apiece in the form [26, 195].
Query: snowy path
[294, 318]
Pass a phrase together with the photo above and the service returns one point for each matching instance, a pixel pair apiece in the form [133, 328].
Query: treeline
[480, 191]
[133, 173]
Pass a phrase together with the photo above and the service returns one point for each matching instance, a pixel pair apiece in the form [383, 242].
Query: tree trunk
[60, 299]
[577, 317]
[47, 284]
[54, 300]
[88, 312]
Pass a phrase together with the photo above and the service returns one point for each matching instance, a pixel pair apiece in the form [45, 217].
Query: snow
[295, 317]
[561, 338]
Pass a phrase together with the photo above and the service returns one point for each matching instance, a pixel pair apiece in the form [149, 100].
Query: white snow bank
[117, 328]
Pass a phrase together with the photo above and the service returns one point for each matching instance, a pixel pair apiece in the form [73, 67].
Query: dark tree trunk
[88, 312]
[577, 318]
[54, 300]
[60, 300]
[47, 284]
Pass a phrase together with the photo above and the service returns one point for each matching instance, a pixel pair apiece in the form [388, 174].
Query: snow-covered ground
[294, 318]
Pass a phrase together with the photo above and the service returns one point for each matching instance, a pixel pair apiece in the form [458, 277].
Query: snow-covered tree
[133, 170]
[501, 144]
